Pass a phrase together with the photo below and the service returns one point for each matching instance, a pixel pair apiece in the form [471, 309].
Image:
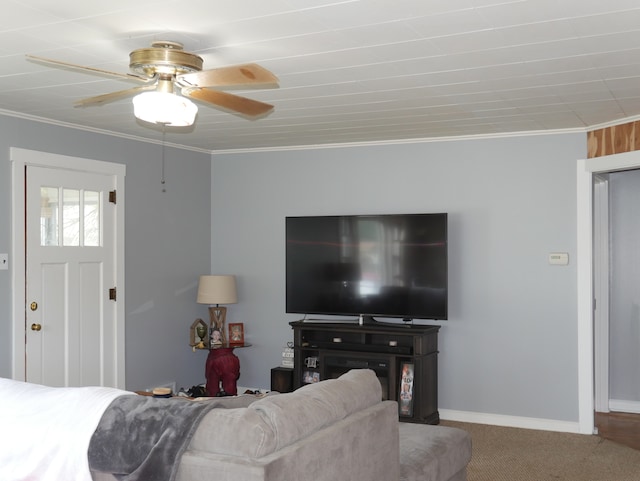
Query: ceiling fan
[174, 76]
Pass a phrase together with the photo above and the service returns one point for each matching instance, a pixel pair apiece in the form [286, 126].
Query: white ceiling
[349, 70]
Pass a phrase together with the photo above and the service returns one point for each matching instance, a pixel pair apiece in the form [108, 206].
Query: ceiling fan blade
[247, 75]
[112, 97]
[122, 76]
[233, 103]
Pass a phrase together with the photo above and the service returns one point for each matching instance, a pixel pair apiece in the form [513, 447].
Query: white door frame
[601, 292]
[586, 169]
[20, 159]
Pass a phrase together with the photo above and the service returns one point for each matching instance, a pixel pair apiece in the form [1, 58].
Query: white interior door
[70, 337]
[68, 251]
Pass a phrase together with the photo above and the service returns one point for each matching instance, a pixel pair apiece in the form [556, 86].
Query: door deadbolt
[34, 306]
[35, 327]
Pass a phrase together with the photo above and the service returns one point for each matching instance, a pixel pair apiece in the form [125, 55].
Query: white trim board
[622, 406]
[510, 421]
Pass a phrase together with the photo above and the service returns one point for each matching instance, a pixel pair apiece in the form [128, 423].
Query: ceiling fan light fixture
[164, 108]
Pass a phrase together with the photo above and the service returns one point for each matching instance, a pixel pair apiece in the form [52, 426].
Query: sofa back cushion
[295, 415]
[238, 432]
[274, 422]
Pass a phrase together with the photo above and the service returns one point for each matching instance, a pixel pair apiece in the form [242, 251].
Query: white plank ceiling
[349, 70]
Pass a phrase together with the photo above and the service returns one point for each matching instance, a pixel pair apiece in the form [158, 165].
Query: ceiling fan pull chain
[162, 180]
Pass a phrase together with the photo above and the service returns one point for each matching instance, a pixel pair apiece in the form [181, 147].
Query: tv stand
[325, 350]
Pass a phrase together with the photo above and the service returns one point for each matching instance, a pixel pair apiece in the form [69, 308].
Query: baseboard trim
[510, 421]
[498, 419]
[619, 405]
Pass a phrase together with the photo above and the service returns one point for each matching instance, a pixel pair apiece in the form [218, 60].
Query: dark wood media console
[324, 350]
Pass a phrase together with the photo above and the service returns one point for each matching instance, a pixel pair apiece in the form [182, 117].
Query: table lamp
[217, 290]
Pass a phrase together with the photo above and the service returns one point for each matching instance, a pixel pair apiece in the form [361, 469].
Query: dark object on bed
[197, 391]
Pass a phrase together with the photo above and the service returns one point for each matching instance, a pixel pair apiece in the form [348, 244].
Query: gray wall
[167, 245]
[624, 325]
[510, 344]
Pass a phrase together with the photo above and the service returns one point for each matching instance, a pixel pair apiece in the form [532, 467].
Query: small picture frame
[236, 333]
[198, 335]
[405, 393]
[311, 377]
[216, 337]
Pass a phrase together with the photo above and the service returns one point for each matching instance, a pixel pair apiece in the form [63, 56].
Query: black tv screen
[392, 265]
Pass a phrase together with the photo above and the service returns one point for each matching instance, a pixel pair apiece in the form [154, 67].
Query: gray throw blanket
[141, 438]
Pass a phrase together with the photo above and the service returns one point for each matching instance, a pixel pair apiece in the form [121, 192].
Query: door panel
[92, 298]
[50, 342]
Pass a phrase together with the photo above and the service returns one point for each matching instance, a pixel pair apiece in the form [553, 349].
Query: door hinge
[112, 294]
[112, 196]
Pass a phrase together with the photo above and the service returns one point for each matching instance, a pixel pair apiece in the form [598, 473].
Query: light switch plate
[4, 262]
[559, 258]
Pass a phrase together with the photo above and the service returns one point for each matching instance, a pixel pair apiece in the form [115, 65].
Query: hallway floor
[623, 428]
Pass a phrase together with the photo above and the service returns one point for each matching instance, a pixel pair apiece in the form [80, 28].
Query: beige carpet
[512, 454]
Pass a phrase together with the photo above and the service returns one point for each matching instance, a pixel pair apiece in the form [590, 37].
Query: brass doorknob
[35, 327]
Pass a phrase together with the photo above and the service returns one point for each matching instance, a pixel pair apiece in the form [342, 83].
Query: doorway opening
[593, 321]
[24, 161]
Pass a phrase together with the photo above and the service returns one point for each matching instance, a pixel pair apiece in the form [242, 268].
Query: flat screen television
[391, 266]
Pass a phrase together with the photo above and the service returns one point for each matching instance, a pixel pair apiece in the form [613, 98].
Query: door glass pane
[70, 217]
[49, 216]
[91, 218]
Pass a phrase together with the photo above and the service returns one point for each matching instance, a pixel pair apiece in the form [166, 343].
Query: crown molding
[454, 138]
[58, 123]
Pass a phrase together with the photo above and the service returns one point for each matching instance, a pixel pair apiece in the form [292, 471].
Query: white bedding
[45, 432]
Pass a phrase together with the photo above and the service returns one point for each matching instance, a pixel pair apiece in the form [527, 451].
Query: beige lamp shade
[217, 290]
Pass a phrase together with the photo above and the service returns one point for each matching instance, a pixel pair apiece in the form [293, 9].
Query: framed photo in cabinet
[310, 377]
[405, 394]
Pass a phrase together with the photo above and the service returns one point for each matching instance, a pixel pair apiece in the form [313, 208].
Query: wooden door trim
[20, 159]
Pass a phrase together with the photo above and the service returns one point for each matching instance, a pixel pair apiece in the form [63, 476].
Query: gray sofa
[338, 429]
[433, 453]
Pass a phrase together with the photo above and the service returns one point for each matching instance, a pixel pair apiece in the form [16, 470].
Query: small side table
[282, 379]
[223, 365]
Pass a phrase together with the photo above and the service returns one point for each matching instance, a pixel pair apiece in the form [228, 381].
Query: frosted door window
[69, 217]
[49, 216]
[91, 218]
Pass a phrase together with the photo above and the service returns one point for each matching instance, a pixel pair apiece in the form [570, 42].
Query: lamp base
[217, 317]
